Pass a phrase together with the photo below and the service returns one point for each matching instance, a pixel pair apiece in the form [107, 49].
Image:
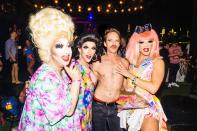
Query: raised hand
[121, 69]
[73, 72]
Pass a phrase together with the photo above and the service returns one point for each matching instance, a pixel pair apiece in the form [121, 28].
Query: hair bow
[141, 29]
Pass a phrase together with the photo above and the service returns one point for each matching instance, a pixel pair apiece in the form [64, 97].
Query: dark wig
[84, 38]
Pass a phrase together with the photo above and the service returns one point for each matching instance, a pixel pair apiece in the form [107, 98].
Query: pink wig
[132, 50]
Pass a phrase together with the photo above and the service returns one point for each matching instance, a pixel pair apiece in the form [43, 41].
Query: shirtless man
[104, 107]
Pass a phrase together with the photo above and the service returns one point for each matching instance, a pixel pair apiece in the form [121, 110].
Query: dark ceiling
[168, 13]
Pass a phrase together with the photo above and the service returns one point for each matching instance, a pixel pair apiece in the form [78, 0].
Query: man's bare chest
[108, 70]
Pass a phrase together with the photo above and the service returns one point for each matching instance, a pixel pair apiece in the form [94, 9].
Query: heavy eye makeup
[149, 41]
[141, 42]
[93, 48]
[86, 47]
[59, 45]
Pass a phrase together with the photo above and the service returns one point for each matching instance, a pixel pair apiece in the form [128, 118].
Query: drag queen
[52, 95]
[144, 78]
[87, 49]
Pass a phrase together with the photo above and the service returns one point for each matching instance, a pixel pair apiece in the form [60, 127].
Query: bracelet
[134, 87]
[134, 80]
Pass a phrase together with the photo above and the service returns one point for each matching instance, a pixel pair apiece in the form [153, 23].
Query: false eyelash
[59, 45]
[85, 47]
[141, 42]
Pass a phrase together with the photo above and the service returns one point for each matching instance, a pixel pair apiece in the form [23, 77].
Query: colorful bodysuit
[134, 117]
[83, 113]
[47, 103]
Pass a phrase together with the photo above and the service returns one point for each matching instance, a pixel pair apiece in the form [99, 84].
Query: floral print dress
[48, 100]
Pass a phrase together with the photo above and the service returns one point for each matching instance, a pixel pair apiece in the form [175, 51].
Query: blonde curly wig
[45, 26]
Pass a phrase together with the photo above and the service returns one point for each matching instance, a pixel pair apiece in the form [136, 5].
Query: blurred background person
[11, 56]
[28, 51]
[175, 52]
[122, 48]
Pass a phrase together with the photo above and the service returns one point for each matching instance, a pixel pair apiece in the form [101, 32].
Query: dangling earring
[94, 58]
[77, 56]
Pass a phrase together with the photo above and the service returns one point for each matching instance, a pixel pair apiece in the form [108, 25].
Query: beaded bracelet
[134, 82]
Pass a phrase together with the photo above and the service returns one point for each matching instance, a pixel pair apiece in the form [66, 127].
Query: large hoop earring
[94, 58]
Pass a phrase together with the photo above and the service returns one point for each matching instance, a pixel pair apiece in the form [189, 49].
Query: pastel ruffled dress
[132, 117]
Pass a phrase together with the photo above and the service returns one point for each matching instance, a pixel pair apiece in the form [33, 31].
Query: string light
[56, 1]
[109, 5]
[79, 9]
[79, 6]
[99, 8]
[129, 9]
[120, 6]
[35, 5]
[89, 9]
[107, 10]
[68, 4]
